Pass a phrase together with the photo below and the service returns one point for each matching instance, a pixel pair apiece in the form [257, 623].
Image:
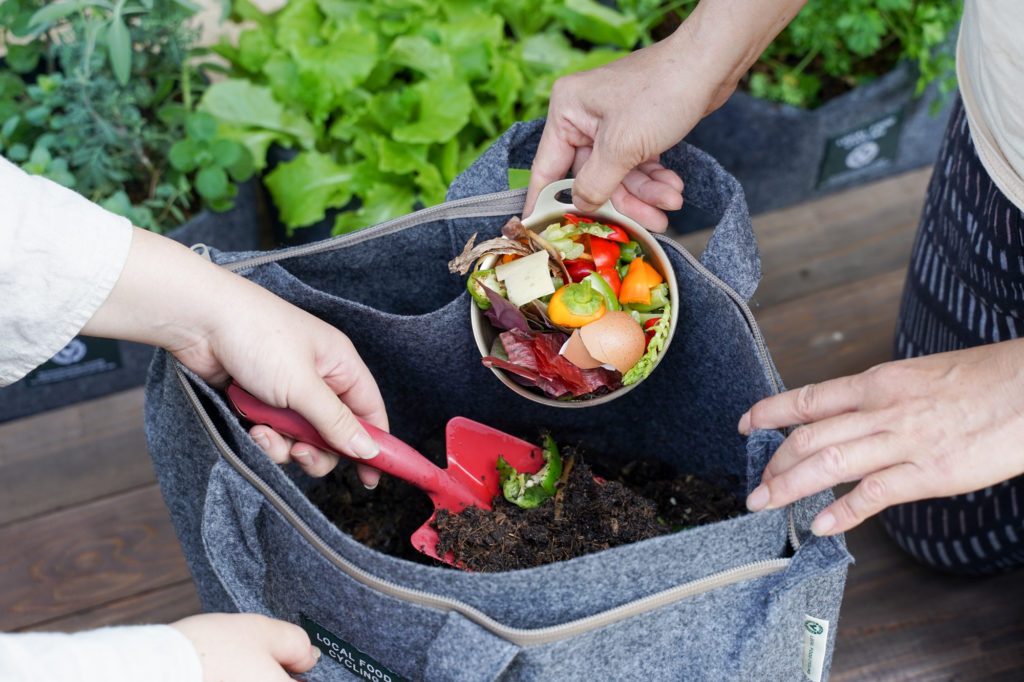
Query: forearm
[168, 296]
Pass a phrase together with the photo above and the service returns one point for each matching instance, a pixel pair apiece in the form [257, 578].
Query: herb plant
[385, 102]
[99, 96]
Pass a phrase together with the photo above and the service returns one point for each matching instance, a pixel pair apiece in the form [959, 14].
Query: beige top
[990, 71]
[60, 255]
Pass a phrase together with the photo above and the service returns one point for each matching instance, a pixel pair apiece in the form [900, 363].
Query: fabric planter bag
[753, 597]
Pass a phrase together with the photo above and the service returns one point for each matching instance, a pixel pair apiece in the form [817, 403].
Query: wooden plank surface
[902, 621]
[98, 447]
[86, 558]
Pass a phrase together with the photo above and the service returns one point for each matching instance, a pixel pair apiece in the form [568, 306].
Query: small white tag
[815, 645]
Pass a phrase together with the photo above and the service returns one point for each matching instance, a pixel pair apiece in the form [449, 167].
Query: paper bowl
[554, 201]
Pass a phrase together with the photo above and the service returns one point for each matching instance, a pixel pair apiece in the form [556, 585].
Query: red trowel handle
[396, 457]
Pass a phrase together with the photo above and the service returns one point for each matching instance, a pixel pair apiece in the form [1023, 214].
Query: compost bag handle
[731, 254]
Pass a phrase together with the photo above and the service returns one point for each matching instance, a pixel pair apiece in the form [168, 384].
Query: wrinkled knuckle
[874, 491]
[801, 439]
[886, 373]
[806, 399]
[833, 461]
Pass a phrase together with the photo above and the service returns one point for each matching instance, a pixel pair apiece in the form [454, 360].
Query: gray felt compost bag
[751, 598]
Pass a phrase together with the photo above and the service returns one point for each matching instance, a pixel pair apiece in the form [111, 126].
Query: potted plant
[100, 97]
[850, 91]
[379, 105]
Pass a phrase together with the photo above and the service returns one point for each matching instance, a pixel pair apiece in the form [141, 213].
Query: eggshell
[615, 339]
[575, 352]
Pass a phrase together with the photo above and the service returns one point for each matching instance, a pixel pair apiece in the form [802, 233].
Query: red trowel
[471, 478]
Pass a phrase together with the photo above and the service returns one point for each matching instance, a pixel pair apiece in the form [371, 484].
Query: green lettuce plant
[386, 102]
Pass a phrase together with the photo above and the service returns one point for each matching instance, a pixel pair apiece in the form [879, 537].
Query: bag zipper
[520, 636]
[508, 202]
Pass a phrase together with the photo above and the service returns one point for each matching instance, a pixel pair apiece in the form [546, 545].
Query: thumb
[289, 645]
[601, 173]
[333, 420]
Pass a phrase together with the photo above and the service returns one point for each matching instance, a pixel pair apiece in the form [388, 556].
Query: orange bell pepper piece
[636, 285]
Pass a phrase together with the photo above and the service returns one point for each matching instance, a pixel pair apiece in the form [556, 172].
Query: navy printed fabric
[965, 288]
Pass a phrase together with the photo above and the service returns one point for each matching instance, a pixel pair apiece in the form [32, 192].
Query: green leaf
[226, 152]
[601, 25]
[255, 46]
[183, 155]
[18, 153]
[23, 58]
[381, 202]
[243, 104]
[53, 12]
[212, 182]
[444, 108]
[243, 167]
[201, 126]
[416, 52]
[305, 187]
[518, 177]
[119, 47]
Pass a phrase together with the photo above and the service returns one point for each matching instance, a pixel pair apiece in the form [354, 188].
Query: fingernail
[304, 458]
[744, 425]
[372, 487]
[263, 442]
[363, 446]
[824, 523]
[583, 204]
[758, 499]
[316, 653]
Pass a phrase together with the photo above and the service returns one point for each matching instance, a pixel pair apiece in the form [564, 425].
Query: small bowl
[554, 201]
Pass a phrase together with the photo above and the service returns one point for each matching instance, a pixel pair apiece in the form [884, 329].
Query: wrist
[721, 39]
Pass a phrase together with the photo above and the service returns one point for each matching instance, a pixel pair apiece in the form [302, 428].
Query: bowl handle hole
[564, 196]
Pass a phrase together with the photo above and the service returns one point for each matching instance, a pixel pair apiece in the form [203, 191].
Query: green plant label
[355, 661]
[869, 146]
[83, 356]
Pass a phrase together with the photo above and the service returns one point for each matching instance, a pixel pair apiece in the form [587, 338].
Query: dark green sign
[355, 661]
[871, 145]
[83, 356]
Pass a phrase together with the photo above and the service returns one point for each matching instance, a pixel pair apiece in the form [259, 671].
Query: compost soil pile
[628, 502]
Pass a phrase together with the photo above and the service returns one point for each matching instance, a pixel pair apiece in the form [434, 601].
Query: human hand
[609, 125]
[248, 647]
[931, 426]
[221, 325]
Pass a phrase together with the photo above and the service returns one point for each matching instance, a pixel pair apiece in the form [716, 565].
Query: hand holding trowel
[471, 478]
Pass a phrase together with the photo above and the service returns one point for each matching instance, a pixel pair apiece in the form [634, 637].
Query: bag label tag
[357, 662]
[815, 646]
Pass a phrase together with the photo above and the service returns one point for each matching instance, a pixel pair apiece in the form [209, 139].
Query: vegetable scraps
[579, 311]
[529, 491]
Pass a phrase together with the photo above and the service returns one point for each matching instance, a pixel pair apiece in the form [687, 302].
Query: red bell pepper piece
[649, 326]
[611, 275]
[578, 268]
[618, 234]
[605, 252]
[576, 219]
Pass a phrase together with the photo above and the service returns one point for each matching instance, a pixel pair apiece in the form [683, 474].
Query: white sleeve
[155, 653]
[60, 255]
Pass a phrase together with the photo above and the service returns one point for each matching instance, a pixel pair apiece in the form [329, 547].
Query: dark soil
[627, 503]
